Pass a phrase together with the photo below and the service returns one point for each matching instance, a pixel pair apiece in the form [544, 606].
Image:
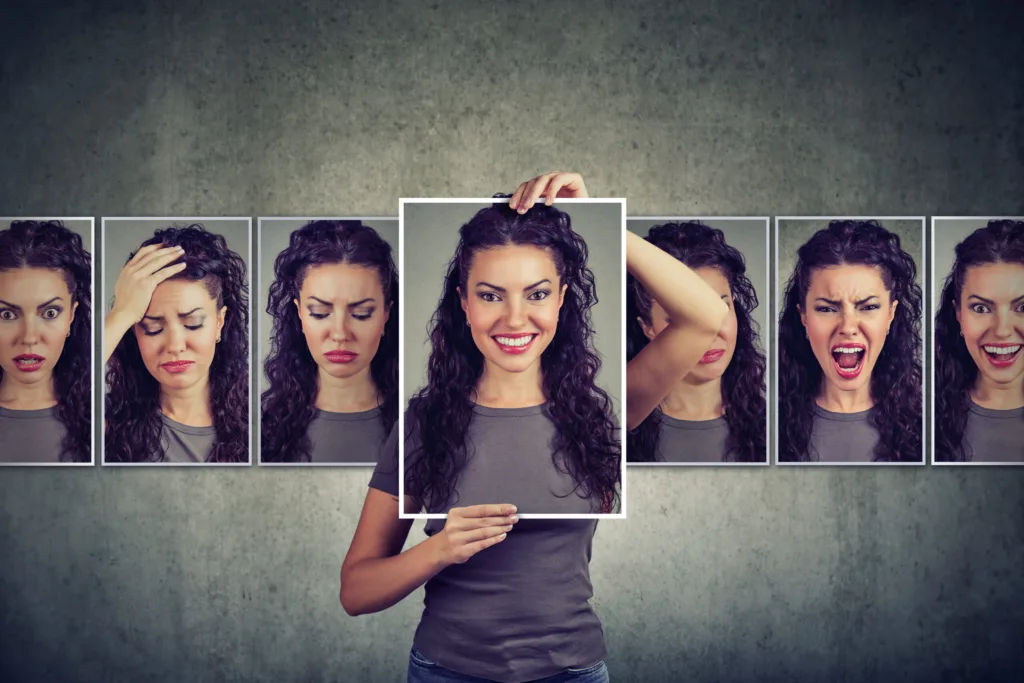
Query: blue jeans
[422, 670]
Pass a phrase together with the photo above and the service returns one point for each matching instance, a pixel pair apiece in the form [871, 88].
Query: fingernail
[503, 536]
[512, 508]
[515, 518]
[508, 527]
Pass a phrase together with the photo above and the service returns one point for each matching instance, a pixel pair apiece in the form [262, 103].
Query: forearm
[684, 295]
[374, 584]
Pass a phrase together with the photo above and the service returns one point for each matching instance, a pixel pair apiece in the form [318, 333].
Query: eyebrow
[180, 315]
[855, 303]
[42, 305]
[992, 303]
[502, 289]
[368, 300]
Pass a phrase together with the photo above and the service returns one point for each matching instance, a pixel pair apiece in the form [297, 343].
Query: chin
[514, 365]
[342, 370]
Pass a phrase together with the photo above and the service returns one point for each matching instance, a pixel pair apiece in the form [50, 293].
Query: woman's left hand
[549, 186]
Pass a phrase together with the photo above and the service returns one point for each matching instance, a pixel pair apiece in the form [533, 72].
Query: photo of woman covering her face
[45, 341]
[331, 363]
[176, 343]
[979, 332]
[849, 341]
[696, 373]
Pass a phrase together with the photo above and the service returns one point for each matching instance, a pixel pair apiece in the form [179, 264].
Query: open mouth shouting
[28, 362]
[848, 359]
[1001, 355]
[514, 343]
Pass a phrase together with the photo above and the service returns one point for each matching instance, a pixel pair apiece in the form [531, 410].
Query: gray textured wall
[697, 108]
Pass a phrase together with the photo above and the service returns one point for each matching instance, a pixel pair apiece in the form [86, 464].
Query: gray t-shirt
[30, 436]
[994, 435]
[842, 437]
[346, 437]
[519, 610]
[182, 443]
[691, 440]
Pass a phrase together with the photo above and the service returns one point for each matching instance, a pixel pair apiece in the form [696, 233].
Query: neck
[695, 401]
[500, 389]
[988, 394]
[189, 406]
[353, 394]
[36, 396]
[837, 400]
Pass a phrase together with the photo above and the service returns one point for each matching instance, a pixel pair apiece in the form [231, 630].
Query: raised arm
[696, 313]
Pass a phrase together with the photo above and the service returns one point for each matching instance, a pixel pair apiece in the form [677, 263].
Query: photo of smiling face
[847, 313]
[178, 335]
[343, 313]
[36, 312]
[991, 317]
[512, 298]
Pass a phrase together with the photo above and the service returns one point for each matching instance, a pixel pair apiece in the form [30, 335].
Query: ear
[74, 307]
[462, 301]
[648, 330]
[387, 313]
[957, 309]
[803, 315]
[892, 311]
[221, 317]
[561, 295]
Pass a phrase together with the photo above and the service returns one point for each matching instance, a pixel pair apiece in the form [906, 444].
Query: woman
[176, 337]
[510, 376]
[710, 407]
[979, 330]
[45, 344]
[333, 364]
[850, 349]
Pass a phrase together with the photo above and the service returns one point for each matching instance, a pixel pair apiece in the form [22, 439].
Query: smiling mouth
[28, 362]
[514, 343]
[1001, 355]
[848, 360]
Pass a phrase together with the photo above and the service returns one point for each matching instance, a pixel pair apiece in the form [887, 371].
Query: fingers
[474, 548]
[550, 186]
[474, 535]
[156, 260]
[485, 510]
[517, 195]
[533, 190]
[564, 185]
[167, 272]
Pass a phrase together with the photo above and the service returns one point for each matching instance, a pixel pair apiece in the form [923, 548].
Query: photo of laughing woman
[45, 342]
[696, 373]
[979, 332]
[176, 343]
[332, 370]
[512, 420]
[849, 343]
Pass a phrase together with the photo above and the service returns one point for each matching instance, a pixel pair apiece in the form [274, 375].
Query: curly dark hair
[288, 405]
[1000, 241]
[896, 378]
[133, 400]
[49, 244]
[743, 388]
[586, 434]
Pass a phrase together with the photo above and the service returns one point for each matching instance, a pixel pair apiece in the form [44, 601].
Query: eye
[151, 333]
[1020, 308]
[871, 307]
[824, 309]
[8, 314]
[979, 308]
[363, 316]
[490, 297]
[194, 327]
[52, 313]
[539, 295]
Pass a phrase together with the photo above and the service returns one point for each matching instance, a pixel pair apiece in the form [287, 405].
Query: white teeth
[847, 349]
[1002, 350]
[515, 341]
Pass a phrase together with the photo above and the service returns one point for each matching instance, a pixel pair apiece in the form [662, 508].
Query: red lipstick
[848, 359]
[28, 362]
[341, 356]
[712, 356]
[177, 366]
[1002, 355]
[514, 344]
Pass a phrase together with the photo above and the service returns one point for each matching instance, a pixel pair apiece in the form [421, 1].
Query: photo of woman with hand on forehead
[510, 404]
[696, 373]
[849, 345]
[45, 342]
[176, 342]
[979, 333]
[332, 369]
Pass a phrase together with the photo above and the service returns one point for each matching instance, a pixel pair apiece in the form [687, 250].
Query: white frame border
[766, 338]
[924, 351]
[249, 262]
[402, 514]
[932, 291]
[259, 379]
[92, 340]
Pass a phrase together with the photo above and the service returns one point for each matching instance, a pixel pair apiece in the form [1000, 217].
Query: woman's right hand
[134, 289]
[471, 529]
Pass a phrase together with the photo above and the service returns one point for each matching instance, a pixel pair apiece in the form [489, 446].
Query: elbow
[348, 603]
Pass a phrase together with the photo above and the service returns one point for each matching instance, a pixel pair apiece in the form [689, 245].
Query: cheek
[729, 329]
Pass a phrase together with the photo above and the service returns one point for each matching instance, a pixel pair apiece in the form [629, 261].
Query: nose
[515, 313]
[340, 328]
[30, 332]
[1004, 324]
[849, 324]
[175, 338]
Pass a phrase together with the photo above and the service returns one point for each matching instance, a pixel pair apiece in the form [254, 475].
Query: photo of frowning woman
[45, 343]
[332, 370]
[849, 345]
[979, 332]
[510, 405]
[177, 350]
[696, 373]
